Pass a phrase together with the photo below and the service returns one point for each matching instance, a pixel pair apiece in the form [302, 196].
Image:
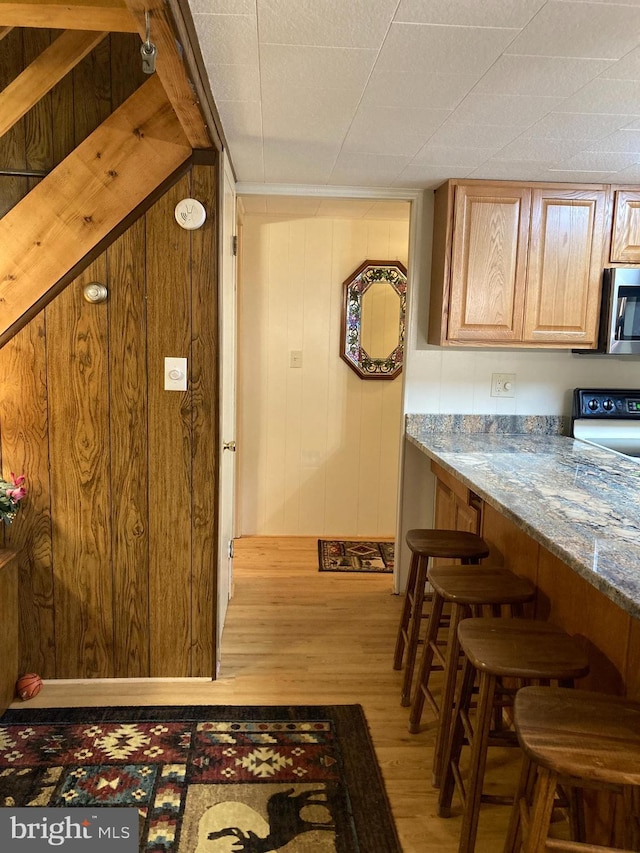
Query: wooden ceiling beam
[171, 69]
[108, 15]
[42, 75]
[83, 199]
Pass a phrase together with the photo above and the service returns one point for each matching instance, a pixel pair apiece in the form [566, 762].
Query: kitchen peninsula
[558, 511]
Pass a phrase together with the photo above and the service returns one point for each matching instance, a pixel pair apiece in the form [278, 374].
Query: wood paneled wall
[116, 540]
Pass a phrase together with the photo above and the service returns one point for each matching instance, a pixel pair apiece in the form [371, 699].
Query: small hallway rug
[342, 555]
[207, 779]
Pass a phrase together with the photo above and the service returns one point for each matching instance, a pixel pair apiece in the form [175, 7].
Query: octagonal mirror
[373, 318]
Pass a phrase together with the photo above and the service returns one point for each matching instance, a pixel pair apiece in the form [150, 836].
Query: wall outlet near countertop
[503, 385]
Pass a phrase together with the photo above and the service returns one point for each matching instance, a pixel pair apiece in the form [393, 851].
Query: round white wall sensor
[190, 213]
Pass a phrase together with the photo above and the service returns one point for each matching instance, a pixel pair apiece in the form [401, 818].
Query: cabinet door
[625, 240]
[564, 266]
[488, 263]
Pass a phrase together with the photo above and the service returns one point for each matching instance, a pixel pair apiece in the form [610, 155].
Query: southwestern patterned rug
[341, 555]
[208, 779]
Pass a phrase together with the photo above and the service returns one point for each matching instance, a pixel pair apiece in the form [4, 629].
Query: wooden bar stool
[469, 590]
[523, 650]
[574, 738]
[424, 544]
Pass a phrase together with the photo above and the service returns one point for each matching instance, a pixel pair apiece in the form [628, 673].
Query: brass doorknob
[229, 445]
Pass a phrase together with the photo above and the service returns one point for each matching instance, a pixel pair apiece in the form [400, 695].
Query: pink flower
[17, 481]
[17, 494]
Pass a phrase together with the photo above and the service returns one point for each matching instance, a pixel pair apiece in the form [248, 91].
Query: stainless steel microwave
[620, 311]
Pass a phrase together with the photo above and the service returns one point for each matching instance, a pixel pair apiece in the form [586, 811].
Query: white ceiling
[408, 93]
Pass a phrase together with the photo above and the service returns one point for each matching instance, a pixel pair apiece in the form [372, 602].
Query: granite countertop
[580, 502]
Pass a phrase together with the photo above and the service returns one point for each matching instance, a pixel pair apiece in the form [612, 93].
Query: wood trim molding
[107, 15]
[171, 69]
[43, 73]
[71, 210]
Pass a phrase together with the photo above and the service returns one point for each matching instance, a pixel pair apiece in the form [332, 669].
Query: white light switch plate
[175, 374]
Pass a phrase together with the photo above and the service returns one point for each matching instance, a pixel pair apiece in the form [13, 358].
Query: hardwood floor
[298, 636]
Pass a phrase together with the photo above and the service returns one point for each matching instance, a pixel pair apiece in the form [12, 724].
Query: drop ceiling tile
[470, 13]
[504, 170]
[224, 7]
[573, 176]
[425, 49]
[588, 161]
[467, 158]
[604, 96]
[367, 169]
[619, 142]
[421, 175]
[248, 159]
[241, 119]
[595, 30]
[416, 90]
[315, 67]
[550, 76]
[540, 150]
[388, 130]
[587, 126]
[298, 162]
[357, 23]
[235, 82]
[510, 110]
[475, 135]
[627, 68]
[311, 114]
[631, 175]
[228, 39]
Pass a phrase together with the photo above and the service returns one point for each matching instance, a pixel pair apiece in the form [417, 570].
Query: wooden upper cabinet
[488, 263]
[565, 266]
[517, 264]
[625, 237]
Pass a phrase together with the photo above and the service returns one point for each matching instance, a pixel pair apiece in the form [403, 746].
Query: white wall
[318, 446]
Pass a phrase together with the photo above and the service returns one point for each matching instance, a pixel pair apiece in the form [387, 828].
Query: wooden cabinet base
[9, 622]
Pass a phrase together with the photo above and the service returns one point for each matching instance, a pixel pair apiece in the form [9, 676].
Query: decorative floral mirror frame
[367, 366]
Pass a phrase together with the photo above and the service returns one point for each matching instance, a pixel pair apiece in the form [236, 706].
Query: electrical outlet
[503, 385]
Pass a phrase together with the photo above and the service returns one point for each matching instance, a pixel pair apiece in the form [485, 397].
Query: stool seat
[521, 648]
[580, 733]
[454, 544]
[424, 544]
[572, 740]
[480, 585]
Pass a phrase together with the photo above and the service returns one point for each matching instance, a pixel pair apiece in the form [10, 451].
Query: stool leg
[406, 613]
[540, 812]
[414, 629]
[448, 692]
[456, 740]
[426, 662]
[477, 763]
[513, 841]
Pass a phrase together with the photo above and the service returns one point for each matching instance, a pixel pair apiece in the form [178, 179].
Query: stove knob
[608, 405]
[593, 404]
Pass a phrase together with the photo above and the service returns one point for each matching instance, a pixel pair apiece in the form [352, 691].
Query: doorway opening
[318, 447]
